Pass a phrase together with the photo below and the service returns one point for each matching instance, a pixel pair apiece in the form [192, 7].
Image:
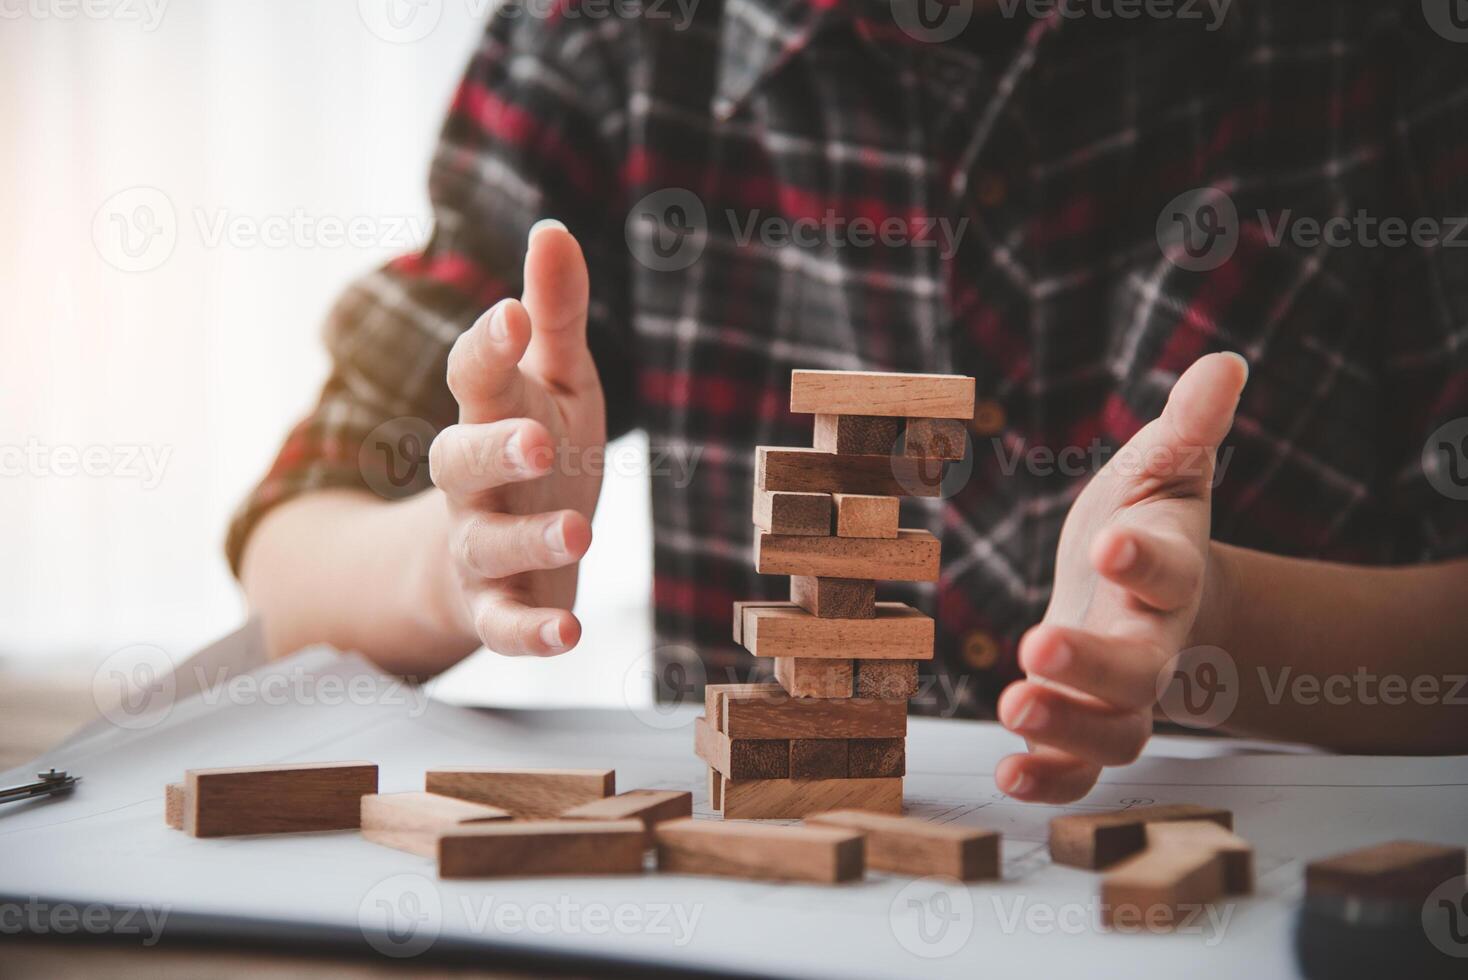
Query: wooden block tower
[832, 733]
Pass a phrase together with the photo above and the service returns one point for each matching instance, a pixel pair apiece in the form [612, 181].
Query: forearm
[1355, 658]
[345, 568]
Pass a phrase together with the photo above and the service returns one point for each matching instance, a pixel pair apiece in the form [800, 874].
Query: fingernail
[499, 327]
[550, 634]
[515, 454]
[1032, 717]
[1020, 785]
[543, 224]
[1125, 555]
[1242, 360]
[555, 538]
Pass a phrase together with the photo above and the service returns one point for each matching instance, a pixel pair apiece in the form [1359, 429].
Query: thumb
[1200, 409]
[557, 290]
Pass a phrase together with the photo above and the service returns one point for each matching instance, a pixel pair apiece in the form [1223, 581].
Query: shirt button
[989, 418]
[991, 189]
[980, 650]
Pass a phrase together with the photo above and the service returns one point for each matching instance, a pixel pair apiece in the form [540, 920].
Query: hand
[517, 471]
[1131, 575]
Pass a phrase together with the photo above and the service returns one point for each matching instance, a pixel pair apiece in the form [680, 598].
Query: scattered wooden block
[175, 797]
[941, 396]
[276, 799]
[857, 435]
[834, 598]
[1160, 886]
[762, 716]
[412, 821]
[516, 848]
[818, 758]
[1099, 840]
[910, 846]
[912, 556]
[897, 632]
[893, 680]
[784, 512]
[524, 792]
[713, 700]
[802, 677]
[741, 758]
[935, 439]
[861, 515]
[1236, 853]
[650, 806]
[812, 471]
[1397, 871]
[875, 758]
[764, 799]
[826, 855]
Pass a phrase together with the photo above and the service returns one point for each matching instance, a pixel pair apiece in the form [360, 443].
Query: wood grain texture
[276, 799]
[942, 396]
[818, 758]
[834, 598]
[812, 471]
[412, 821]
[893, 680]
[1099, 840]
[175, 797]
[713, 698]
[741, 758]
[649, 806]
[784, 512]
[764, 716]
[526, 793]
[1159, 887]
[912, 556]
[1396, 871]
[859, 435]
[860, 515]
[768, 799]
[897, 632]
[739, 608]
[935, 439]
[808, 678]
[825, 855]
[528, 848]
[875, 758]
[1236, 853]
[911, 846]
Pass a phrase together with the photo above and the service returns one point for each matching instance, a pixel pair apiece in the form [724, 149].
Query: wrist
[1216, 610]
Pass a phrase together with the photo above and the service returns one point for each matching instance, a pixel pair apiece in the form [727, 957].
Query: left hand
[1132, 572]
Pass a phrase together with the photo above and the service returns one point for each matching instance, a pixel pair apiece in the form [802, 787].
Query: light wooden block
[803, 677]
[526, 793]
[940, 396]
[894, 680]
[874, 758]
[412, 821]
[716, 790]
[834, 598]
[818, 758]
[910, 846]
[825, 855]
[1236, 853]
[857, 435]
[739, 608]
[175, 797]
[897, 632]
[1099, 840]
[762, 716]
[276, 799]
[861, 515]
[649, 806]
[784, 512]
[713, 698]
[1406, 871]
[741, 758]
[529, 848]
[769, 799]
[812, 471]
[1160, 887]
[936, 439]
[912, 556]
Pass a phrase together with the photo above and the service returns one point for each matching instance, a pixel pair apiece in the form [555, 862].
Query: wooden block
[935, 439]
[739, 608]
[897, 632]
[861, 515]
[412, 821]
[833, 598]
[783, 512]
[277, 799]
[1099, 840]
[818, 758]
[716, 790]
[741, 758]
[857, 435]
[812, 471]
[762, 716]
[650, 806]
[802, 677]
[709, 847]
[927, 396]
[713, 702]
[1236, 853]
[912, 556]
[1160, 887]
[894, 680]
[875, 758]
[768, 799]
[526, 848]
[175, 796]
[526, 793]
[910, 846]
[1397, 871]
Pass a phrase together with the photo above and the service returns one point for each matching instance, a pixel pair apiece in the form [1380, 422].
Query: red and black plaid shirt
[1052, 145]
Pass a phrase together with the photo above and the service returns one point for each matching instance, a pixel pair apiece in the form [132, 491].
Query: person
[1212, 416]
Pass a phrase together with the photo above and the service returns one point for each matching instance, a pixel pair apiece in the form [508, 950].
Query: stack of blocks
[832, 733]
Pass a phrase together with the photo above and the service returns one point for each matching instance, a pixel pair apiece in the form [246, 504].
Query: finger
[499, 545]
[1200, 409]
[557, 291]
[1046, 776]
[514, 629]
[1121, 672]
[1163, 570]
[1094, 732]
[483, 371]
[470, 459]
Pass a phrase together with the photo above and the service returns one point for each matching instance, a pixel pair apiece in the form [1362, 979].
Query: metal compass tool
[51, 783]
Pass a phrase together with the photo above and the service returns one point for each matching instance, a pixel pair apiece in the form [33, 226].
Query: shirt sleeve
[533, 132]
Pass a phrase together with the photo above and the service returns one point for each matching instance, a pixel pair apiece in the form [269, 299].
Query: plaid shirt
[1050, 146]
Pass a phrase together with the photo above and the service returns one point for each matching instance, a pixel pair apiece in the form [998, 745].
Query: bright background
[204, 125]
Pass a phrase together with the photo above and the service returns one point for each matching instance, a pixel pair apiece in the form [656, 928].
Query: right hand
[517, 469]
